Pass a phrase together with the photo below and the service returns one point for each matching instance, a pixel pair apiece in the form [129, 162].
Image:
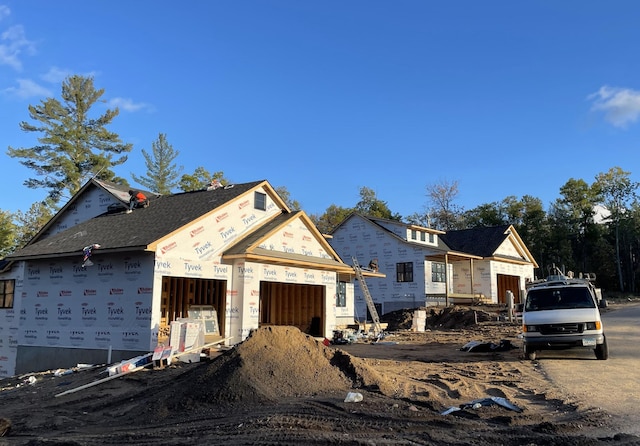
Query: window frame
[7, 298]
[404, 272]
[260, 201]
[341, 294]
[438, 272]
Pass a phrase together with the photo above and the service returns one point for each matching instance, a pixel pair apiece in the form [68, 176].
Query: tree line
[592, 227]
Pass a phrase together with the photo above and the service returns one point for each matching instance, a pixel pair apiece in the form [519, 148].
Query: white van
[562, 313]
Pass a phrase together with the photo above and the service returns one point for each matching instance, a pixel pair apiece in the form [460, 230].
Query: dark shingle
[481, 242]
[138, 229]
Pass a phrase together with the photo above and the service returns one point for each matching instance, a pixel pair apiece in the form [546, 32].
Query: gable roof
[380, 224]
[481, 241]
[478, 243]
[249, 248]
[485, 241]
[139, 229]
[119, 191]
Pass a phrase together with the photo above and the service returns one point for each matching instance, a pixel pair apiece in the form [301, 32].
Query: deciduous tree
[332, 217]
[444, 213]
[29, 223]
[7, 233]
[200, 179]
[372, 206]
[617, 193]
[284, 193]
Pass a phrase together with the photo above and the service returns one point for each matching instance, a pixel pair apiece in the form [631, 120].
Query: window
[404, 272]
[260, 201]
[414, 234]
[438, 272]
[431, 238]
[558, 299]
[7, 288]
[422, 237]
[341, 294]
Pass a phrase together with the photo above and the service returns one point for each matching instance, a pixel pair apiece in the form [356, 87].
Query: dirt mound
[400, 319]
[457, 317]
[448, 317]
[273, 363]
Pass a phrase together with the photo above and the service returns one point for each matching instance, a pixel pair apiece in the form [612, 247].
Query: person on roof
[137, 200]
[86, 254]
[215, 184]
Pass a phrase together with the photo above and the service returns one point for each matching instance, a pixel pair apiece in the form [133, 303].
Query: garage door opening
[179, 293]
[297, 305]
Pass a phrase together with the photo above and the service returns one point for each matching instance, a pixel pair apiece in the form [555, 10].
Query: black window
[404, 272]
[341, 295]
[260, 200]
[422, 237]
[437, 272]
[7, 288]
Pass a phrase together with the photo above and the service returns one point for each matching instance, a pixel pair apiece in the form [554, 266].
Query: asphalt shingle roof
[122, 231]
[481, 242]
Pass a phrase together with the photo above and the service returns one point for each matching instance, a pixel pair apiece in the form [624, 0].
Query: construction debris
[483, 402]
[486, 347]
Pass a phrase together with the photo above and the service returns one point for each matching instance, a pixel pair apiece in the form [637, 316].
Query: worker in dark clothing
[137, 200]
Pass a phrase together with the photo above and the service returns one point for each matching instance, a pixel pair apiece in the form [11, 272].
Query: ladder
[367, 297]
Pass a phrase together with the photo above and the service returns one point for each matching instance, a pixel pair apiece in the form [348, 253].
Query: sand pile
[273, 363]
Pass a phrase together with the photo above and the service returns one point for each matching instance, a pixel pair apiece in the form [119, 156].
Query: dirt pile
[458, 317]
[439, 318]
[273, 363]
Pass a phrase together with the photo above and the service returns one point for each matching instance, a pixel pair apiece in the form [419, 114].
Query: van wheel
[529, 353]
[602, 350]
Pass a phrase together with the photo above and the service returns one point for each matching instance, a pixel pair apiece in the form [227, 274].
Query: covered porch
[453, 259]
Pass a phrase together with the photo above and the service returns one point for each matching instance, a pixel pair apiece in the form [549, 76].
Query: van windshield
[558, 299]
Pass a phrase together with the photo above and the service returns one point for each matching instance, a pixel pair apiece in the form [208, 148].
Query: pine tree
[74, 146]
[162, 175]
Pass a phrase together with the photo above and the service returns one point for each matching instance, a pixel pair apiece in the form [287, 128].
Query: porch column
[471, 275]
[446, 280]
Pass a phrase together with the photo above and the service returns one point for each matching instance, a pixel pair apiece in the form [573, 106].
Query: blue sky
[325, 97]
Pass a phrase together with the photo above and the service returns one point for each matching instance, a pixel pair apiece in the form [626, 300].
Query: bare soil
[283, 387]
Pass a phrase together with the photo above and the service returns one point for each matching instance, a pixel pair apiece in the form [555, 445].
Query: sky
[504, 98]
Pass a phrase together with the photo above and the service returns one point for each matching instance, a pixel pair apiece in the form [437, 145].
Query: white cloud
[27, 89]
[55, 75]
[127, 104]
[4, 11]
[12, 43]
[621, 106]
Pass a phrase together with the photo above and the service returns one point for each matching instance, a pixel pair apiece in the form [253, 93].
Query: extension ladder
[367, 297]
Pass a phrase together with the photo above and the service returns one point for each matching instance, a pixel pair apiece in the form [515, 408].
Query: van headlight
[529, 328]
[597, 325]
